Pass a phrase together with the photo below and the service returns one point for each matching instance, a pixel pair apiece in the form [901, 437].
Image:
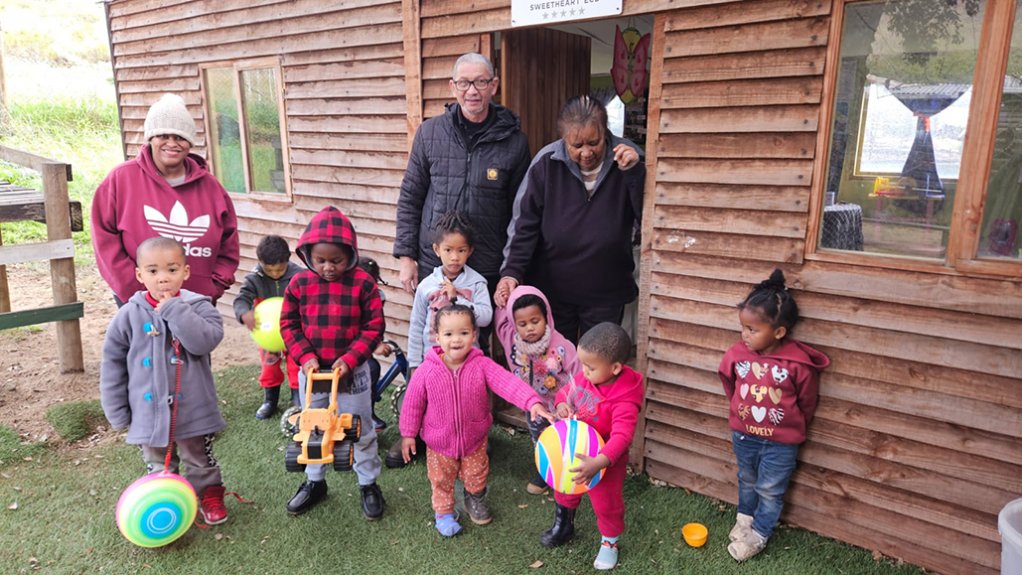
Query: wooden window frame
[978, 148]
[237, 67]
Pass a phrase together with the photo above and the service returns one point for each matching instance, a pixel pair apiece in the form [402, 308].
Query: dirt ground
[30, 378]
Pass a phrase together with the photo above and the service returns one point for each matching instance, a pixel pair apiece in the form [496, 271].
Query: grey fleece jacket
[138, 369]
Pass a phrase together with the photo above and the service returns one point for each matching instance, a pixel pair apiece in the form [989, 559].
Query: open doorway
[541, 68]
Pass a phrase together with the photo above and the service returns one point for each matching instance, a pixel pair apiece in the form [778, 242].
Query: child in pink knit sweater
[447, 403]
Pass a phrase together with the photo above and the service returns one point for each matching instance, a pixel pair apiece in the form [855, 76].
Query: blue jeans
[764, 468]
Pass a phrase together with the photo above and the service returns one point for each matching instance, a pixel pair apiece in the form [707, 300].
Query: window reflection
[902, 100]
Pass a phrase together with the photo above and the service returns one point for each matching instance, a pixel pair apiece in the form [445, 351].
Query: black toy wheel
[291, 457]
[289, 421]
[354, 432]
[344, 455]
[397, 398]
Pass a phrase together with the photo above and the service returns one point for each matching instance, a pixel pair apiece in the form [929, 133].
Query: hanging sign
[533, 12]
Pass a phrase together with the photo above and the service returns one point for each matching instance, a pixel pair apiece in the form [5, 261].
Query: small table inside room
[842, 227]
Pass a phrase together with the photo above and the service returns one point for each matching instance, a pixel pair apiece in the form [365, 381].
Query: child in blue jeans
[772, 382]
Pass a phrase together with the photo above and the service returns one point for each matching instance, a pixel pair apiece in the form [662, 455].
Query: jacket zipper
[455, 376]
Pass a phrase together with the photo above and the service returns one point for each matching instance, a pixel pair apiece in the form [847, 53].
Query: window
[923, 168]
[243, 110]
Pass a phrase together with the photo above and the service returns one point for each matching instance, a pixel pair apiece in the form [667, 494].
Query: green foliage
[13, 449]
[61, 33]
[65, 520]
[75, 420]
[83, 132]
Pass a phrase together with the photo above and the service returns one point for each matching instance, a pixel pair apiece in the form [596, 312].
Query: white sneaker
[742, 525]
[748, 546]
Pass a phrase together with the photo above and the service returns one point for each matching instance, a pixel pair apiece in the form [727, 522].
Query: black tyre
[354, 432]
[289, 421]
[291, 454]
[397, 398]
[344, 455]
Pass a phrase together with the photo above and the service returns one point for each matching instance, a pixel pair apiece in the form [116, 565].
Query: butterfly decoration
[631, 51]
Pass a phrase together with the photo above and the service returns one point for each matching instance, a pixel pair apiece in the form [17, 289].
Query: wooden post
[5, 292]
[62, 271]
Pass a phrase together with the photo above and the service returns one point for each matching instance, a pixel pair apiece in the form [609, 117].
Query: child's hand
[407, 448]
[449, 290]
[341, 367]
[539, 410]
[383, 350]
[248, 318]
[589, 467]
[625, 156]
[503, 290]
[164, 298]
[564, 410]
[310, 366]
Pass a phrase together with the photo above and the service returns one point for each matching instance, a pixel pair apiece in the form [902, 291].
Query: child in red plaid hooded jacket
[332, 318]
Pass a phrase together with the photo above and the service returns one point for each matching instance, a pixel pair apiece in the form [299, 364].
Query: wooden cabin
[824, 137]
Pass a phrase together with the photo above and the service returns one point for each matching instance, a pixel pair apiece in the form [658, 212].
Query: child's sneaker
[607, 557]
[447, 524]
[742, 524]
[478, 509]
[212, 507]
[748, 546]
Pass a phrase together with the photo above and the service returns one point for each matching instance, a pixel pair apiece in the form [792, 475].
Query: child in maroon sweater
[607, 395]
[771, 382]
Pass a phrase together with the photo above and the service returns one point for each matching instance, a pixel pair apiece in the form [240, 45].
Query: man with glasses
[471, 159]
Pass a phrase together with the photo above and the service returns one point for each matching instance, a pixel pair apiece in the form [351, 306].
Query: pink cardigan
[451, 409]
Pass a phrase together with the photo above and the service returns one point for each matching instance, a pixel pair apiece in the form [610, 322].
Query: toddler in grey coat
[161, 334]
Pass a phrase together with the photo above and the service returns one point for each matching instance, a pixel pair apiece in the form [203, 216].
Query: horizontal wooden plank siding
[342, 70]
[917, 441]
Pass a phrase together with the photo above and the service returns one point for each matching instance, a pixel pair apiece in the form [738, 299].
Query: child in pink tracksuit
[447, 403]
[607, 395]
[537, 353]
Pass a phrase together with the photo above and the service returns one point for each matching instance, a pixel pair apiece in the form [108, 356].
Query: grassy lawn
[64, 518]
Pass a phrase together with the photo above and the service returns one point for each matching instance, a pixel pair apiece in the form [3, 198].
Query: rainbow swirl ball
[156, 509]
[266, 332]
[556, 451]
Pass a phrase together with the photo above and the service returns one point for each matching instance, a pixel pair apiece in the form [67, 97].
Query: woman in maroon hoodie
[165, 191]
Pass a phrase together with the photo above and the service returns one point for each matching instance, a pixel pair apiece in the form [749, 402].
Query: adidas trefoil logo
[177, 226]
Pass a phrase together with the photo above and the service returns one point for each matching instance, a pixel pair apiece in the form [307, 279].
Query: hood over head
[329, 226]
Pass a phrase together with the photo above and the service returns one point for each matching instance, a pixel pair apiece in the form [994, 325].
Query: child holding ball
[606, 394]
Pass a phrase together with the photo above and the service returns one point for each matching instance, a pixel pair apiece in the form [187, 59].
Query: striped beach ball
[555, 454]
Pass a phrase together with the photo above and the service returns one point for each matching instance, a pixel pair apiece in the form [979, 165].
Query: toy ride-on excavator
[324, 436]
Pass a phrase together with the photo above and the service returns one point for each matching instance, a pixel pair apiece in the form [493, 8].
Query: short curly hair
[273, 250]
[608, 341]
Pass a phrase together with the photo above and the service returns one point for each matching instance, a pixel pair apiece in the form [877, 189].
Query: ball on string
[556, 451]
[156, 509]
[266, 332]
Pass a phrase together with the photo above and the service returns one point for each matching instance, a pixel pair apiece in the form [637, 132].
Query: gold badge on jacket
[491, 174]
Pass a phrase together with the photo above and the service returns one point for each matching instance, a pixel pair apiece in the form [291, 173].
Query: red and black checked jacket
[330, 320]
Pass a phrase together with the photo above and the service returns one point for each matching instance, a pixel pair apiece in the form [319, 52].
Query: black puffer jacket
[444, 173]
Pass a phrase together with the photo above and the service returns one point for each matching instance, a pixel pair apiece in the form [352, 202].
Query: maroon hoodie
[135, 202]
[773, 395]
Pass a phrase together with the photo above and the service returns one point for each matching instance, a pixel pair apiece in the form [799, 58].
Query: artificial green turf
[64, 521]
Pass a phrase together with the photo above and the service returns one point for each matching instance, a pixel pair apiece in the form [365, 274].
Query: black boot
[395, 460]
[269, 406]
[563, 528]
[308, 495]
[295, 395]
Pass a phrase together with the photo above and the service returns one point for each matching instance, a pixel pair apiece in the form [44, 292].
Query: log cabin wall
[915, 446]
[342, 67]
[917, 442]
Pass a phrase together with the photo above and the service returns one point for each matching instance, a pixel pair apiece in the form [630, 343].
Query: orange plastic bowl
[694, 534]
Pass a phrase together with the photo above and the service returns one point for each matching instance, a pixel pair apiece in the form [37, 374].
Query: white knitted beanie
[169, 116]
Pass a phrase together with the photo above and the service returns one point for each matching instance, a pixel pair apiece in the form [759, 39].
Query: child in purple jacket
[447, 403]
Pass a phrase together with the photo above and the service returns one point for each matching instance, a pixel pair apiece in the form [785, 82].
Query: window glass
[262, 130]
[902, 101]
[225, 150]
[1002, 212]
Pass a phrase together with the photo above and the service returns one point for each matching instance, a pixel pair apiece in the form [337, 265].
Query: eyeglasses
[480, 84]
